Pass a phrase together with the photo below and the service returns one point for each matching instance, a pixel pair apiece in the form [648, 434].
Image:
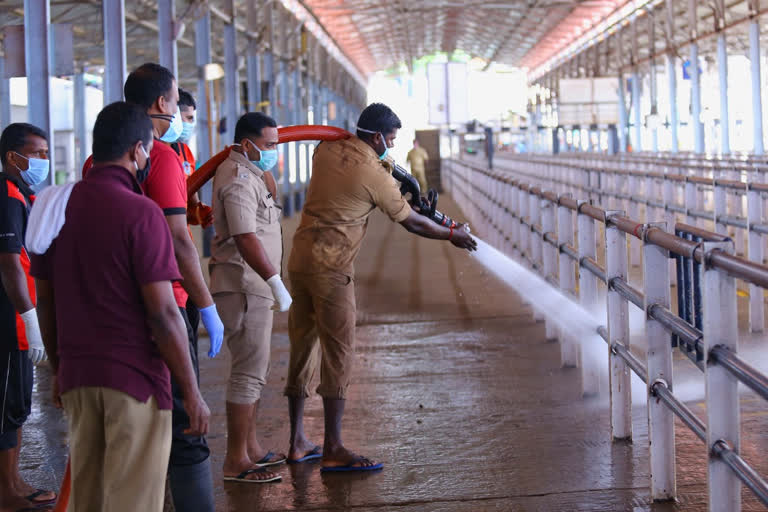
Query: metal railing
[538, 227]
[724, 196]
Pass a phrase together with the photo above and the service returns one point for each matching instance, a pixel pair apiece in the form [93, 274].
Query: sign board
[447, 92]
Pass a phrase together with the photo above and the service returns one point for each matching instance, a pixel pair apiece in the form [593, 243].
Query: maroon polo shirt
[114, 241]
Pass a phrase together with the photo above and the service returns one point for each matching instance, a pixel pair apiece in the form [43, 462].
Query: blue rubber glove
[212, 323]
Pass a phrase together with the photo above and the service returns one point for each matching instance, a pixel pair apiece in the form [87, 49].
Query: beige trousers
[247, 323]
[119, 449]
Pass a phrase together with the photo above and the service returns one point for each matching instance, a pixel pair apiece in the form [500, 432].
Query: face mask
[383, 155]
[268, 158]
[386, 148]
[37, 171]
[174, 129]
[141, 174]
[186, 132]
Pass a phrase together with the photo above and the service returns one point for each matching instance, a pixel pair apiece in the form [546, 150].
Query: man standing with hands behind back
[245, 280]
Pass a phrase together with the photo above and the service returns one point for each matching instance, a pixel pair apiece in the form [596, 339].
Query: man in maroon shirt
[111, 325]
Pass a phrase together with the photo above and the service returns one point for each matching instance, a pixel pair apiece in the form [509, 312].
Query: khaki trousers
[421, 177]
[323, 311]
[119, 449]
[247, 323]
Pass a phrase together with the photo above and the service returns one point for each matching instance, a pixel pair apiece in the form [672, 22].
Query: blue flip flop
[265, 461]
[351, 467]
[314, 453]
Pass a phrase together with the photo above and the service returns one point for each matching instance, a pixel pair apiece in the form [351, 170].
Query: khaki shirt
[348, 183]
[417, 157]
[242, 204]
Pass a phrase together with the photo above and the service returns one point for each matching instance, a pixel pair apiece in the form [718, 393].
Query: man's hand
[198, 413]
[55, 395]
[283, 299]
[200, 214]
[35, 340]
[462, 239]
[215, 328]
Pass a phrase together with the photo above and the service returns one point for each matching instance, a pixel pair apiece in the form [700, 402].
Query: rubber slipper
[242, 477]
[39, 492]
[314, 453]
[265, 461]
[351, 467]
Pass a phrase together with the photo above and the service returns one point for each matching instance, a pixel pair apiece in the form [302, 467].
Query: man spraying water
[350, 179]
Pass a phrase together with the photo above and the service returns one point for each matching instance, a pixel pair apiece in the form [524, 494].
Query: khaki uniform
[242, 204]
[418, 157]
[348, 183]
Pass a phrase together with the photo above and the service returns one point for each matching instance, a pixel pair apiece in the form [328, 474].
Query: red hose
[285, 134]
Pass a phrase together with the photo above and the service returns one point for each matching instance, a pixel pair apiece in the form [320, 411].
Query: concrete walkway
[456, 392]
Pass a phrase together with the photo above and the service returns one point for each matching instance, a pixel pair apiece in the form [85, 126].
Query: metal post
[37, 19]
[203, 57]
[698, 127]
[635, 245]
[5, 96]
[723, 411]
[618, 329]
[661, 420]
[757, 96]
[638, 117]
[269, 74]
[722, 64]
[673, 120]
[113, 17]
[534, 209]
[231, 77]
[623, 116]
[81, 130]
[569, 353]
[721, 208]
[653, 83]
[166, 33]
[550, 255]
[253, 69]
[590, 380]
[672, 75]
[755, 251]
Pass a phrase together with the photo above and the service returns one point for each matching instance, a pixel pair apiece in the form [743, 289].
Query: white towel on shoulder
[47, 217]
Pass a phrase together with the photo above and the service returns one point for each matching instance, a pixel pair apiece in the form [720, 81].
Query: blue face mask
[186, 132]
[37, 171]
[175, 128]
[386, 148]
[383, 155]
[268, 158]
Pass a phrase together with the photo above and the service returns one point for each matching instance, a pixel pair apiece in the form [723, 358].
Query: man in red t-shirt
[154, 87]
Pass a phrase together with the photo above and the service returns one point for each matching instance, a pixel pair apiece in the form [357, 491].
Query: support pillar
[37, 20]
[203, 57]
[166, 23]
[698, 127]
[673, 118]
[81, 129]
[722, 67]
[757, 96]
[5, 97]
[253, 69]
[113, 16]
[231, 78]
[638, 118]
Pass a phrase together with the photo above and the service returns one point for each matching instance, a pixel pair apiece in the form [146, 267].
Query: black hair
[118, 127]
[377, 117]
[147, 83]
[251, 124]
[15, 135]
[186, 99]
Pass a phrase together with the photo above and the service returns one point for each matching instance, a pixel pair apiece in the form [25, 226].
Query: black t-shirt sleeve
[12, 214]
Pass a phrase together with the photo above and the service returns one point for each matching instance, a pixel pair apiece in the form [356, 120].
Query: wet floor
[457, 392]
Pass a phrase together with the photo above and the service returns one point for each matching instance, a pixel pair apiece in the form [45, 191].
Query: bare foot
[301, 448]
[267, 458]
[343, 457]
